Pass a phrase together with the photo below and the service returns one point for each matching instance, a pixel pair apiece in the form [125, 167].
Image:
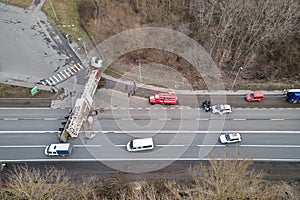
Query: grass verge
[11, 91]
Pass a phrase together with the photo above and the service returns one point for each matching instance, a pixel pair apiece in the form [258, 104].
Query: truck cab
[168, 98]
[293, 95]
[63, 149]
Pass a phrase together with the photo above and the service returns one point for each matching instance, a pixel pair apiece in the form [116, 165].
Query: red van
[255, 96]
[163, 98]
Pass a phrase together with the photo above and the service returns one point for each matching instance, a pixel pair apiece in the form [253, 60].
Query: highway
[180, 134]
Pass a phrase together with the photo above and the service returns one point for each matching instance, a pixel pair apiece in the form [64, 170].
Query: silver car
[221, 109]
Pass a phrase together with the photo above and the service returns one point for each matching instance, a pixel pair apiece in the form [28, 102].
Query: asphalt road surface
[180, 135]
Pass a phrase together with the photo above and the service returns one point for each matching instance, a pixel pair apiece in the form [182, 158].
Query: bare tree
[227, 179]
[30, 183]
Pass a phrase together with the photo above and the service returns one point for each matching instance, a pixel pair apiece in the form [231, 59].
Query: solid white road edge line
[144, 159]
[42, 146]
[162, 131]
[272, 146]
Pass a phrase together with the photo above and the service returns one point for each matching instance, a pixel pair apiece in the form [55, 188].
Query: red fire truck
[163, 98]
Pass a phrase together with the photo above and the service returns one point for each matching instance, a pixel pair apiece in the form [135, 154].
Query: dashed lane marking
[10, 119]
[164, 119]
[50, 119]
[170, 145]
[239, 119]
[277, 119]
[271, 146]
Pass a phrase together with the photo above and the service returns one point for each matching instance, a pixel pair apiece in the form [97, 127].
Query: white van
[62, 149]
[140, 144]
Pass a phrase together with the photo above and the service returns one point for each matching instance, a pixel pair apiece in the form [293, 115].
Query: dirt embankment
[259, 37]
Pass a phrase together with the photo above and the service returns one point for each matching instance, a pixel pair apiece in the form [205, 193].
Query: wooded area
[261, 36]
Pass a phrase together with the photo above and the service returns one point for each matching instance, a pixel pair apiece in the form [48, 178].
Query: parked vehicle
[293, 95]
[221, 109]
[62, 149]
[230, 138]
[140, 144]
[255, 96]
[163, 98]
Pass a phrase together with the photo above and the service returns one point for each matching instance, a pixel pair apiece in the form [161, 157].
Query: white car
[230, 138]
[221, 109]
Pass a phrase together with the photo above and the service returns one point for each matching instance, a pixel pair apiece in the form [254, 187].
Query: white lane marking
[23, 146]
[142, 158]
[59, 77]
[211, 145]
[127, 119]
[148, 108]
[80, 65]
[120, 145]
[42, 146]
[62, 74]
[51, 118]
[170, 145]
[67, 72]
[16, 108]
[164, 119]
[87, 145]
[74, 69]
[55, 78]
[139, 108]
[202, 119]
[164, 131]
[276, 119]
[52, 81]
[271, 146]
[239, 119]
[10, 119]
[43, 83]
[71, 71]
[172, 108]
[48, 82]
[31, 118]
[77, 67]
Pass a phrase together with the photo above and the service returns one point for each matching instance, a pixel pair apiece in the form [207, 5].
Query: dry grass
[68, 19]
[11, 91]
[21, 3]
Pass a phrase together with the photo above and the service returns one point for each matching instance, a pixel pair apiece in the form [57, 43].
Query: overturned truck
[83, 105]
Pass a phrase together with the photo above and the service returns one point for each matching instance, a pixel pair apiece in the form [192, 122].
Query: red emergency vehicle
[163, 98]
